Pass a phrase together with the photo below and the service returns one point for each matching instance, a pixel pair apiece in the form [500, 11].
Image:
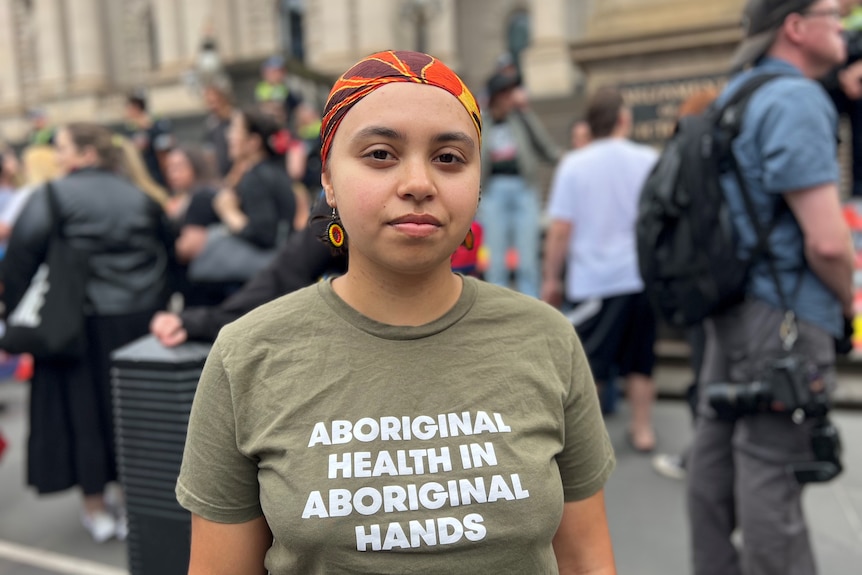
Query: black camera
[792, 387]
[789, 386]
[826, 444]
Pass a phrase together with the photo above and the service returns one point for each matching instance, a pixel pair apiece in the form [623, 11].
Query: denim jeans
[509, 214]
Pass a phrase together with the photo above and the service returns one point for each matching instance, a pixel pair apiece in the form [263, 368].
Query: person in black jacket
[127, 237]
[261, 206]
[300, 261]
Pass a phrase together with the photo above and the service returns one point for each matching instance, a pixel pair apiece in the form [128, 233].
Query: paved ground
[42, 536]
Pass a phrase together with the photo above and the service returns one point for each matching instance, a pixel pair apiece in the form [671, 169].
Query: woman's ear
[326, 182]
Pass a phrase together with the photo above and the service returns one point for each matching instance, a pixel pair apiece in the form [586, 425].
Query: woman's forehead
[411, 101]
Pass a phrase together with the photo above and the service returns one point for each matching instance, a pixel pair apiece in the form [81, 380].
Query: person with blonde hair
[125, 233]
[39, 165]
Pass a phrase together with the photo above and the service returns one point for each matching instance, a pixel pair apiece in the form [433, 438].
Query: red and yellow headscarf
[384, 68]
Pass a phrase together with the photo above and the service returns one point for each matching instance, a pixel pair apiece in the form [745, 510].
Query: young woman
[261, 207]
[399, 418]
[71, 441]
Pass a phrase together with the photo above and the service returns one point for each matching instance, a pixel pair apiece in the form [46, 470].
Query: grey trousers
[737, 470]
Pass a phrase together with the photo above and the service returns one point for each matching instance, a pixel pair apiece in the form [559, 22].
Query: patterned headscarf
[384, 68]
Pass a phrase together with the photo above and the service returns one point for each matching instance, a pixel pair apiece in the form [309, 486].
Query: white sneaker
[122, 530]
[116, 505]
[671, 466]
[101, 525]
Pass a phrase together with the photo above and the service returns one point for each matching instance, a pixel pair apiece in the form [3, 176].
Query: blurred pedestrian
[300, 262]
[306, 404]
[152, 137]
[799, 282]
[39, 163]
[191, 212]
[510, 212]
[41, 132]
[220, 110]
[580, 134]
[272, 92]
[10, 176]
[260, 206]
[71, 441]
[592, 211]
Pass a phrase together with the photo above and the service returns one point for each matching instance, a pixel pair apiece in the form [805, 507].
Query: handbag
[48, 322]
[227, 258]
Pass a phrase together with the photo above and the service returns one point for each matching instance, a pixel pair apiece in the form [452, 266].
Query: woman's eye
[379, 155]
[448, 158]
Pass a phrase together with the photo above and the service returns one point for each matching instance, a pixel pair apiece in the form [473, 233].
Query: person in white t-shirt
[592, 211]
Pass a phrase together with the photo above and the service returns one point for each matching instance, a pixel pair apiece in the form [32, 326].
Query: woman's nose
[417, 181]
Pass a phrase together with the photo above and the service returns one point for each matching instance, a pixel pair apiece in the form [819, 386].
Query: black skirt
[71, 440]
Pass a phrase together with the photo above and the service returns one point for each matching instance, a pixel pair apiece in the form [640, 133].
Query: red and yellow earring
[469, 241]
[335, 235]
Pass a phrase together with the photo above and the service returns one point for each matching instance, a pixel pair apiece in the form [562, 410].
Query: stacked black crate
[153, 390]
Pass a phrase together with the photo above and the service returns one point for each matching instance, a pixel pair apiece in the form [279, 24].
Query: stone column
[169, 35]
[196, 16]
[50, 51]
[376, 24]
[546, 64]
[10, 83]
[330, 37]
[86, 45]
[442, 32]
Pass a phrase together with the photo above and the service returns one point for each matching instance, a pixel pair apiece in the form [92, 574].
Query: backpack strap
[54, 209]
[731, 118]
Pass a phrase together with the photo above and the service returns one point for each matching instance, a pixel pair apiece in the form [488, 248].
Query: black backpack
[687, 246]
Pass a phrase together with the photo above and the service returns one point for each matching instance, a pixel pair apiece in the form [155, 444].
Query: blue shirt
[788, 142]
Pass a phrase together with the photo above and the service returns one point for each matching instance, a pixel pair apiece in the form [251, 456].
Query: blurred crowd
[186, 236]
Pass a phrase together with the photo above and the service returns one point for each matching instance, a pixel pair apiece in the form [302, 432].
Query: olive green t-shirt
[370, 448]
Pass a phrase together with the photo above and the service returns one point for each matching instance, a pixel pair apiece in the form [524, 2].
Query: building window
[518, 36]
[291, 13]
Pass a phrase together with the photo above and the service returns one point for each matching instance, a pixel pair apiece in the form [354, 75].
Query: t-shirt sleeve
[216, 481]
[587, 458]
[562, 204]
[798, 139]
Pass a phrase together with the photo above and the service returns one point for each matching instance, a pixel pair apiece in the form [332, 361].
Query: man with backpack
[748, 462]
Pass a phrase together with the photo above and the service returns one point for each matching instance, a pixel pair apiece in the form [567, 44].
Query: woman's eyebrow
[390, 134]
[454, 137]
[379, 131]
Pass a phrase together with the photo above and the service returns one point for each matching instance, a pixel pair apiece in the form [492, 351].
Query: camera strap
[789, 330]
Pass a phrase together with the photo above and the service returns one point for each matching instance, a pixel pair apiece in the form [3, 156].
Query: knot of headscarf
[384, 68]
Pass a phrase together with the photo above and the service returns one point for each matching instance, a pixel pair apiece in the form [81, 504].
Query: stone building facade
[77, 58]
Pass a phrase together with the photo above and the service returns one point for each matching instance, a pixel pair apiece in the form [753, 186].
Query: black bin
[153, 388]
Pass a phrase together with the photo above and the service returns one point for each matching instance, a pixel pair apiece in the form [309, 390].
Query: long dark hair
[267, 129]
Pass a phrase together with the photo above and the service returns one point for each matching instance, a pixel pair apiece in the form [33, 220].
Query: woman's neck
[396, 299]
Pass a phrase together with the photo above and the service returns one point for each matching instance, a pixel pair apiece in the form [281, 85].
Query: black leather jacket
[125, 232]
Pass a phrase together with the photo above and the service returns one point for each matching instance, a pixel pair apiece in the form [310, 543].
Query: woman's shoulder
[285, 314]
[519, 307]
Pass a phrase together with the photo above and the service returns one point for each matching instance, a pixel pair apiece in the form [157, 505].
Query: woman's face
[404, 173]
[10, 168]
[69, 156]
[241, 144]
[179, 171]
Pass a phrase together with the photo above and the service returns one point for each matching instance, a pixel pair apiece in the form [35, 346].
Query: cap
[273, 62]
[501, 82]
[761, 20]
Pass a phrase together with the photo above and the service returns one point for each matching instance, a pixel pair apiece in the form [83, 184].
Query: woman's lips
[416, 225]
